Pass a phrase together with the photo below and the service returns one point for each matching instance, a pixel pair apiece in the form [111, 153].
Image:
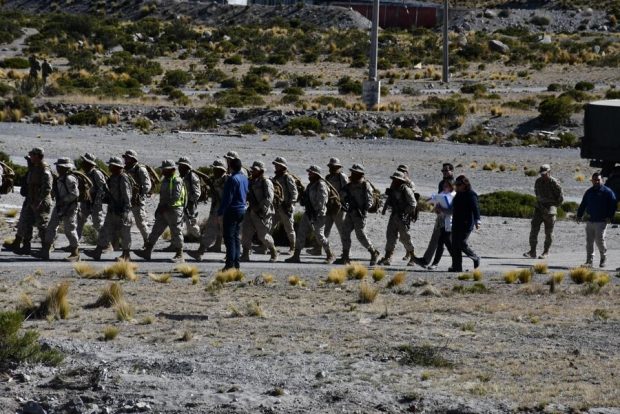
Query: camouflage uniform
[315, 203]
[94, 207]
[338, 181]
[213, 230]
[259, 215]
[284, 211]
[403, 203]
[192, 184]
[38, 203]
[141, 176]
[548, 197]
[358, 197]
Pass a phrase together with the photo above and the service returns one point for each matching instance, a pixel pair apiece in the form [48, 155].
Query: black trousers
[444, 240]
[460, 246]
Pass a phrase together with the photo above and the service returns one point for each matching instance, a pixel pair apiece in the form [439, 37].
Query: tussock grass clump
[601, 279]
[601, 314]
[475, 288]
[295, 280]
[85, 270]
[147, 320]
[378, 274]
[254, 309]
[541, 268]
[16, 348]
[25, 305]
[464, 276]
[397, 280]
[122, 269]
[230, 275]
[124, 311]
[12, 213]
[111, 294]
[337, 276]
[267, 278]
[356, 271]
[525, 275]
[187, 336]
[581, 275]
[187, 270]
[56, 303]
[511, 276]
[160, 278]
[367, 293]
[110, 333]
[477, 275]
[425, 355]
[556, 278]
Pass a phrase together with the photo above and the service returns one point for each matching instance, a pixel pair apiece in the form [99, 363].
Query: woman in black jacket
[465, 216]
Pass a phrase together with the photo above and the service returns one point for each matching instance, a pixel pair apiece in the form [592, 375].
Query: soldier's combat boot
[245, 256]
[273, 252]
[13, 246]
[344, 259]
[374, 255]
[387, 259]
[295, 257]
[413, 260]
[26, 249]
[330, 256]
[530, 255]
[146, 252]
[95, 254]
[74, 256]
[197, 254]
[291, 250]
[44, 253]
[178, 257]
[124, 256]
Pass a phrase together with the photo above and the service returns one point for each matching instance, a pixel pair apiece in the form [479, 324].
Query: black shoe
[476, 263]
[451, 269]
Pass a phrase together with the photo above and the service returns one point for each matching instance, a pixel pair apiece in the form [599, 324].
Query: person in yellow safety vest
[169, 212]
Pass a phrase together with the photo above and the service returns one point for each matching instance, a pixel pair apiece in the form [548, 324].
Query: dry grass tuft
[602, 279]
[166, 235]
[581, 275]
[557, 278]
[525, 275]
[187, 270]
[124, 311]
[12, 213]
[295, 280]
[254, 309]
[85, 270]
[477, 275]
[187, 336]
[25, 305]
[337, 276]
[268, 277]
[541, 268]
[356, 271]
[56, 303]
[123, 270]
[465, 276]
[511, 276]
[378, 274]
[367, 294]
[110, 333]
[111, 294]
[230, 275]
[397, 280]
[160, 278]
[147, 320]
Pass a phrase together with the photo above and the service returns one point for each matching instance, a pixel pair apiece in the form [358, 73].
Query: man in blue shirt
[600, 203]
[232, 211]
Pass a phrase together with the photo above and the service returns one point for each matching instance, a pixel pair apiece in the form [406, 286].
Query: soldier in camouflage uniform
[37, 191]
[356, 200]
[66, 210]
[315, 202]
[403, 168]
[118, 216]
[258, 217]
[169, 212]
[285, 210]
[548, 198]
[141, 176]
[192, 184]
[94, 207]
[213, 230]
[402, 201]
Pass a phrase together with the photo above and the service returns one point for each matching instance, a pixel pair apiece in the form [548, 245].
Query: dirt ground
[316, 348]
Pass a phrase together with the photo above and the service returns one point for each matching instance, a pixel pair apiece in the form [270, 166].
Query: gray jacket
[315, 198]
[261, 196]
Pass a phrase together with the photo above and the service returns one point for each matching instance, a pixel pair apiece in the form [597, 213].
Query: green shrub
[555, 87]
[87, 117]
[404, 133]
[293, 90]
[14, 63]
[584, 86]
[450, 112]
[229, 83]
[234, 98]
[176, 78]
[512, 204]
[6, 89]
[247, 129]
[555, 111]
[474, 88]
[20, 102]
[207, 117]
[256, 83]
[233, 60]
[347, 86]
[612, 94]
[330, 100]
[304, 124]
[16, 348]
[540, 20]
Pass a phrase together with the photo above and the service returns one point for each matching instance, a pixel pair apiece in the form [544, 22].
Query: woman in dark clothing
[465, 216]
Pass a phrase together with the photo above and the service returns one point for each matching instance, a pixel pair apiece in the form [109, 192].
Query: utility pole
[372, 87]
[446, 69]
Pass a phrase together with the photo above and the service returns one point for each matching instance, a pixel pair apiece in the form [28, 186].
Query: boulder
[498, 46]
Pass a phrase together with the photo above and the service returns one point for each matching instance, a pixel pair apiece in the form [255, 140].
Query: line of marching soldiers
[71, 197]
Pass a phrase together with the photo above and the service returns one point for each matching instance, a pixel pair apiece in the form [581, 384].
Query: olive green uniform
[548, 197]
[141, 176]
[117, 219]
[94, 207]
[66, 210]
[258, 217]
[403, 203]
[38, 203]
[284, 211]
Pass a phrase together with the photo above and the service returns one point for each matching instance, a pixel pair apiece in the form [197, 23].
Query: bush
[256, 83]
[234, 98]
[15, 348]
[87, 117]
[304, 124]
[540, 20]
[233, 60]
[247, 129]
[176, 78]
[14, 63]
[21, 103]
[346, 86]
[404, 133]
[475, 88]
[555, 87]
[555, 111]
[512, 204]
[330, 100]
[612, 94]
[6, 89]
[584, 86]
[207, 117]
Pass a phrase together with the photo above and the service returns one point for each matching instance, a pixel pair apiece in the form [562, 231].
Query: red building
[392, 14]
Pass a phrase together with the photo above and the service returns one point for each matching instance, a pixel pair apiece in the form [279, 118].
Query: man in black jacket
[465, 216]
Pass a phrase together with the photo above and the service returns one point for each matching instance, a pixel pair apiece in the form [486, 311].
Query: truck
[601, 140]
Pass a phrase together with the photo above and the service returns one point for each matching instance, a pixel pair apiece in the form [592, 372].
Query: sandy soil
[316, 349]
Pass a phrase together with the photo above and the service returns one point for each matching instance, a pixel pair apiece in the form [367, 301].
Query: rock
[490, 14]
[588, 11]
[545, 39]
[32, 407]
[321, 375]
[116, 49]
[498, 46]
[462, 40]
[596, 49]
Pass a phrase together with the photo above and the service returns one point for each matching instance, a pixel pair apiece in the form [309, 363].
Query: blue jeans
[231, 224]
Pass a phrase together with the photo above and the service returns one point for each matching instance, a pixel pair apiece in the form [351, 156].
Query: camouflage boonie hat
[185, 161]
[116, 161]
[403, 168]
[131, 154]
[64, 162]
[168, 165]
[89, 158]
[314, 169]
[232, 155]
[258, 165]
[358, 168]
[219, 164]
[280, 161]
[334, 162]
[36, 151]
[398, 176]
[545, 168]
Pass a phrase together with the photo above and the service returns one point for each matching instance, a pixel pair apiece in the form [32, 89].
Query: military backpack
[334, 203]
[85, 186]
[299, 185]
[8, 179]
[155, 178]
[377, 200]
[278, 193]
[205, 184]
